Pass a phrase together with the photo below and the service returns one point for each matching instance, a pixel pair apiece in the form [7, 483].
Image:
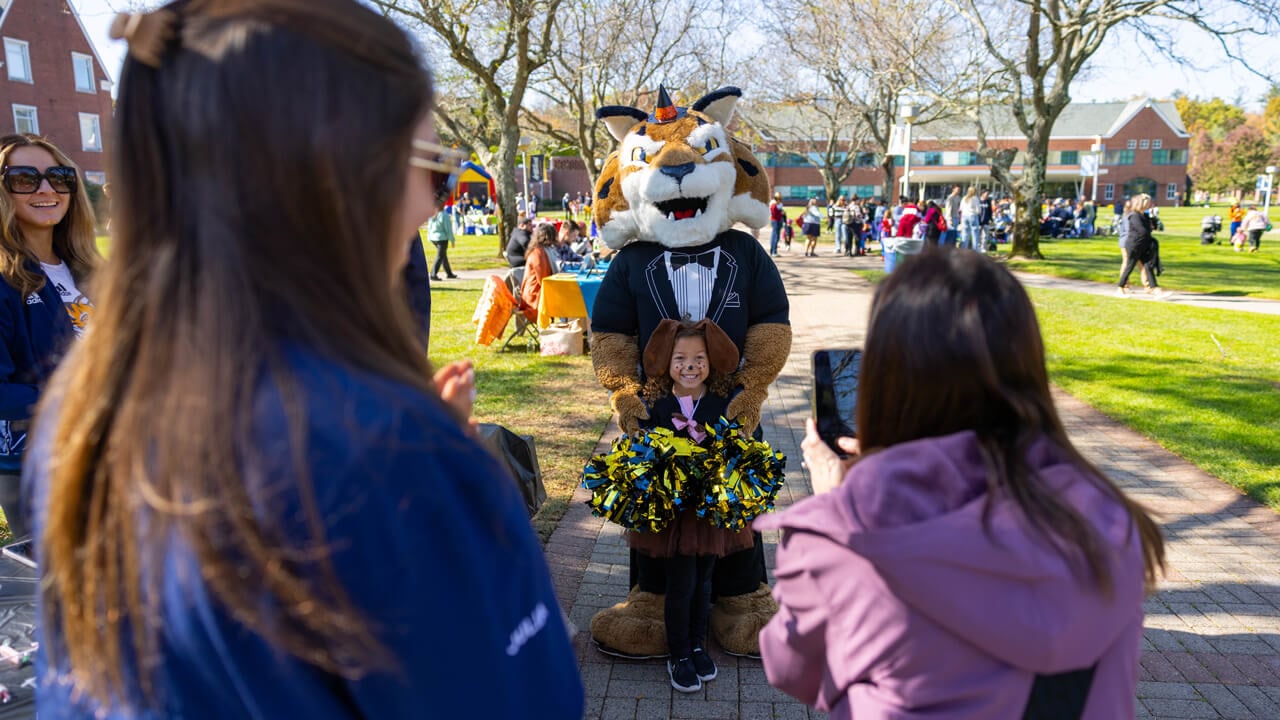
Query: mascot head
[677, 178]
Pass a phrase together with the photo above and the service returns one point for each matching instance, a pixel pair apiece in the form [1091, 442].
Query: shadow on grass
[1225, 422]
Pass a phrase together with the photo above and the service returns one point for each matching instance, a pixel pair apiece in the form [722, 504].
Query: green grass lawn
[557, 400]
[472, 252]
[1203, 383]
[1189, 266]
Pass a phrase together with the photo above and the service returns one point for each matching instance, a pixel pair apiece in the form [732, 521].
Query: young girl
[688, 365]
[812, 227]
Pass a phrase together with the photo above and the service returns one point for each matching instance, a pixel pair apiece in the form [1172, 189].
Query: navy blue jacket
[417, 286]
[429, 539]
[34, 331]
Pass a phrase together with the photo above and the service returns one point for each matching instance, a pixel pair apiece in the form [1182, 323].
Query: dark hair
[73, 236]
[659, 385]
[953, 345]
[235, 236]
[544, 235]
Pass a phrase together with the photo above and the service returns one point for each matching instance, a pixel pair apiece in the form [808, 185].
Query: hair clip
[446, 160]
[148, 34]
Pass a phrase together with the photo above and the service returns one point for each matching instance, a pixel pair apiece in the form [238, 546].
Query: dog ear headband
[721, 352]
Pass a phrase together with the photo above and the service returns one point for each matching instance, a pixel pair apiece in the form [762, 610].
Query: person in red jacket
[910, 217]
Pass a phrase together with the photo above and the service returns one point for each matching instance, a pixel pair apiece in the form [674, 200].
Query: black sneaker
[703, 665]
[683, 677]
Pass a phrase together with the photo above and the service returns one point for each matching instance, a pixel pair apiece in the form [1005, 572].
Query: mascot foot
[736, 621]
[633, 629]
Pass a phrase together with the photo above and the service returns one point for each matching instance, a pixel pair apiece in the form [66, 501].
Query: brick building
[53, 82]
[1145, 151]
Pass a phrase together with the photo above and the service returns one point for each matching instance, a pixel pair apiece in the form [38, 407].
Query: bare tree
[493, 48]
[1042, 46]
[609, 61]
[858, 85]
[822, 129]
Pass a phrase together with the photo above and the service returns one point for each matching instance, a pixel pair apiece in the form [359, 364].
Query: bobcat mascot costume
[666, 200]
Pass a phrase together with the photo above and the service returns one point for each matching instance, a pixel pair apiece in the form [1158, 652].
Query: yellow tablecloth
[561, 298]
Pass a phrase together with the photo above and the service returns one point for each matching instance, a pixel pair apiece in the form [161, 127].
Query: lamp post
[1097, 149]
[908, 113]
[1266, 202]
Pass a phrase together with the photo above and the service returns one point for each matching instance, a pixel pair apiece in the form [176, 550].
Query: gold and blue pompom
[643, 481]
[748, 475]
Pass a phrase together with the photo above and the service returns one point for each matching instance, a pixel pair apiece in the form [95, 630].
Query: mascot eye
[638, 155]
[712, 144]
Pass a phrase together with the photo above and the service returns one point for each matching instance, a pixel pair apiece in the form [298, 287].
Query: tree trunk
[888, 192]
[1029, 195]
[501, 165]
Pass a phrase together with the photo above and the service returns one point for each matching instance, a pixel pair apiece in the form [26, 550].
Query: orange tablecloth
[561, 297]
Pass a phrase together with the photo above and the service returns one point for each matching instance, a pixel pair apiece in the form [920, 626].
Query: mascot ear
[657, 352]
[721, 351]
[620, 119]
[719, 104]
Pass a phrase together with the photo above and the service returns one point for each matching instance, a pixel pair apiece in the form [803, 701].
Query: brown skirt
[691, 535]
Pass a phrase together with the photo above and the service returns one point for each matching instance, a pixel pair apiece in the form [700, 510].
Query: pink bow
[690, 426]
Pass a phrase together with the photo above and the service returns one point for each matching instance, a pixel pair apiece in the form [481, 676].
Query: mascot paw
[745, 409]
[632, 629]
[631, 410]
[737, 621]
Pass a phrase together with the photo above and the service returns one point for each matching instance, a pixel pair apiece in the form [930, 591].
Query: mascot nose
[677, 171]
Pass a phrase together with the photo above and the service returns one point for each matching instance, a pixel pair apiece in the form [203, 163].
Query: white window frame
[76, 60]
[25, 48]
[35, 118]
[84, 145]
[1131, 145]
[1171, 192]
[97, 178]
[1109, 191]
[1157, 144]
[1143, 144]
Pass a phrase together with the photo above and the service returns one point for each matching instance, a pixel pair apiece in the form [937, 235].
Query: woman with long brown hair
[262, 504]
[47, 255]
[971, 561]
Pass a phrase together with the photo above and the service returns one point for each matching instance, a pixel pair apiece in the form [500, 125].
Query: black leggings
[1130, 263]
[442, 258]
[1255, 239]
[688, 603]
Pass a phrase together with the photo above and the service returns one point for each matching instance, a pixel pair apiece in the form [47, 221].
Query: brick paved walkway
[1212, 646]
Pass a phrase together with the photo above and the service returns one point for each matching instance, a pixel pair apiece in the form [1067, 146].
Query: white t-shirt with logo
[77, 305]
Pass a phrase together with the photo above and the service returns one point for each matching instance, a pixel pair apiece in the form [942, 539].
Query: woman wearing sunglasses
[47, 253]
[262, 502]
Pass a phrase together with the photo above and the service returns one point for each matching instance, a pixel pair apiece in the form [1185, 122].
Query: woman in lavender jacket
[971, 563]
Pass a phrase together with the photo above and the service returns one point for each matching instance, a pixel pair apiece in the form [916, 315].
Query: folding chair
[526, 316]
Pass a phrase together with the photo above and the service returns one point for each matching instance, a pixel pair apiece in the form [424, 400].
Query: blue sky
[1112, 77]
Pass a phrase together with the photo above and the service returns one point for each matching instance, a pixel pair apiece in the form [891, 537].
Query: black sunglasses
[25, 179]
[444, 168]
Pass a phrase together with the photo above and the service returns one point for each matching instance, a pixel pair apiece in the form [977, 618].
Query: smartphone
[835, 393]
[21, 551]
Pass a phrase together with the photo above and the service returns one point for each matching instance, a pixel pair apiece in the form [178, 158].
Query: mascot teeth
[682, 208]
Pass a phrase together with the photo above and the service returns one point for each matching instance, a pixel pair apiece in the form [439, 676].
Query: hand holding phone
[835, 394]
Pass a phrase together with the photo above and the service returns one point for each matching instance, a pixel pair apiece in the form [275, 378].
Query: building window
[1172, 156]
[867, 160]
[90, 133]
[932, 158]
[1144, 144]
[97, 178]
[83, 65]
[1140, 186]
[26, 119]
[1069, 157]
[1109, 192]
[1171, 192]
[1118, 157]
[1157, 144]
[17, 55]
[1132, 145]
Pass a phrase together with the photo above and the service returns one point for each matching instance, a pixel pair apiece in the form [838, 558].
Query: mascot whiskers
[667, 200]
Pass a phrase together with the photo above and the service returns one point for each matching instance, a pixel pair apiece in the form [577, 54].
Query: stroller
[1210, 226]
[999, 232]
